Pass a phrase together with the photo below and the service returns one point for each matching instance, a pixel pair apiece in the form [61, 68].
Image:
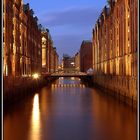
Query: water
[67, 110]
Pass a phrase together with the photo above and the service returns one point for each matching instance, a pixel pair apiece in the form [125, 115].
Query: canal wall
[122, 88]
[15, 89]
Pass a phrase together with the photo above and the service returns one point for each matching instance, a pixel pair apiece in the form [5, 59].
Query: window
[129, 2]
[117, 13]
[128, 23]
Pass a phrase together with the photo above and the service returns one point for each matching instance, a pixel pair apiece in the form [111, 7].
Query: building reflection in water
[67, 82]
[35, 121]
[74, 112]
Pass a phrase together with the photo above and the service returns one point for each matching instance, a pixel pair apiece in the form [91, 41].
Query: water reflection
[35, 121]
[72, 84]
[70, 112]
[117, 117]
[72, 78]
[68, 85]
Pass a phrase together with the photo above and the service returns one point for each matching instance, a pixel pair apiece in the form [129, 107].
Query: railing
[69, 74]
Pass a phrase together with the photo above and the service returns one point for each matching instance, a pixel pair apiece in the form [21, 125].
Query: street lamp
[35, 75]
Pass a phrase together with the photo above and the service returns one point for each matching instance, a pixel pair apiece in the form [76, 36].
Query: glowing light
[36, 108]
[72, 78]
[35, 76]
[72, 63]
[6, 70]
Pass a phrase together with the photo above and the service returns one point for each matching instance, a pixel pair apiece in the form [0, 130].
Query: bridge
[86, 78]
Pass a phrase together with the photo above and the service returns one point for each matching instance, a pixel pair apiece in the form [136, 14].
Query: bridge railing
[69, 74]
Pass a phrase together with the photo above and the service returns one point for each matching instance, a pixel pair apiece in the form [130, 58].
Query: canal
[68, 110]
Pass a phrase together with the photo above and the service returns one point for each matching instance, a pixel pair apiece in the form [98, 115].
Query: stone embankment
[15, 89]
[123, 89]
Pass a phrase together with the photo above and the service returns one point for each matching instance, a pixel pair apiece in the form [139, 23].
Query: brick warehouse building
[21, 43]
[56, 60]
[34, 47]
[86, 56]
[115, 48]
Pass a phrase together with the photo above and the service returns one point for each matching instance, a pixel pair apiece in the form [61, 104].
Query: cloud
[73, 16]
[69, 27]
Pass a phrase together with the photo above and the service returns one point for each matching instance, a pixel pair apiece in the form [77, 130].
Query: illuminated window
[6, 70]
[111, 67]
[129, 66]
[117, 67]
[43, 57]
[105, 67]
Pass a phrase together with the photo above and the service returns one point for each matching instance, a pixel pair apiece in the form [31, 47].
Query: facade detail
[8, 39]
[34, 47]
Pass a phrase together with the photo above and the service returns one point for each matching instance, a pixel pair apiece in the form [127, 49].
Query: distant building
[56, 60]
[77, 61]
[68, 62]
[85, 56]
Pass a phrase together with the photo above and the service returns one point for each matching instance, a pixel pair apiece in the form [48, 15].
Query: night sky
[69, 21]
